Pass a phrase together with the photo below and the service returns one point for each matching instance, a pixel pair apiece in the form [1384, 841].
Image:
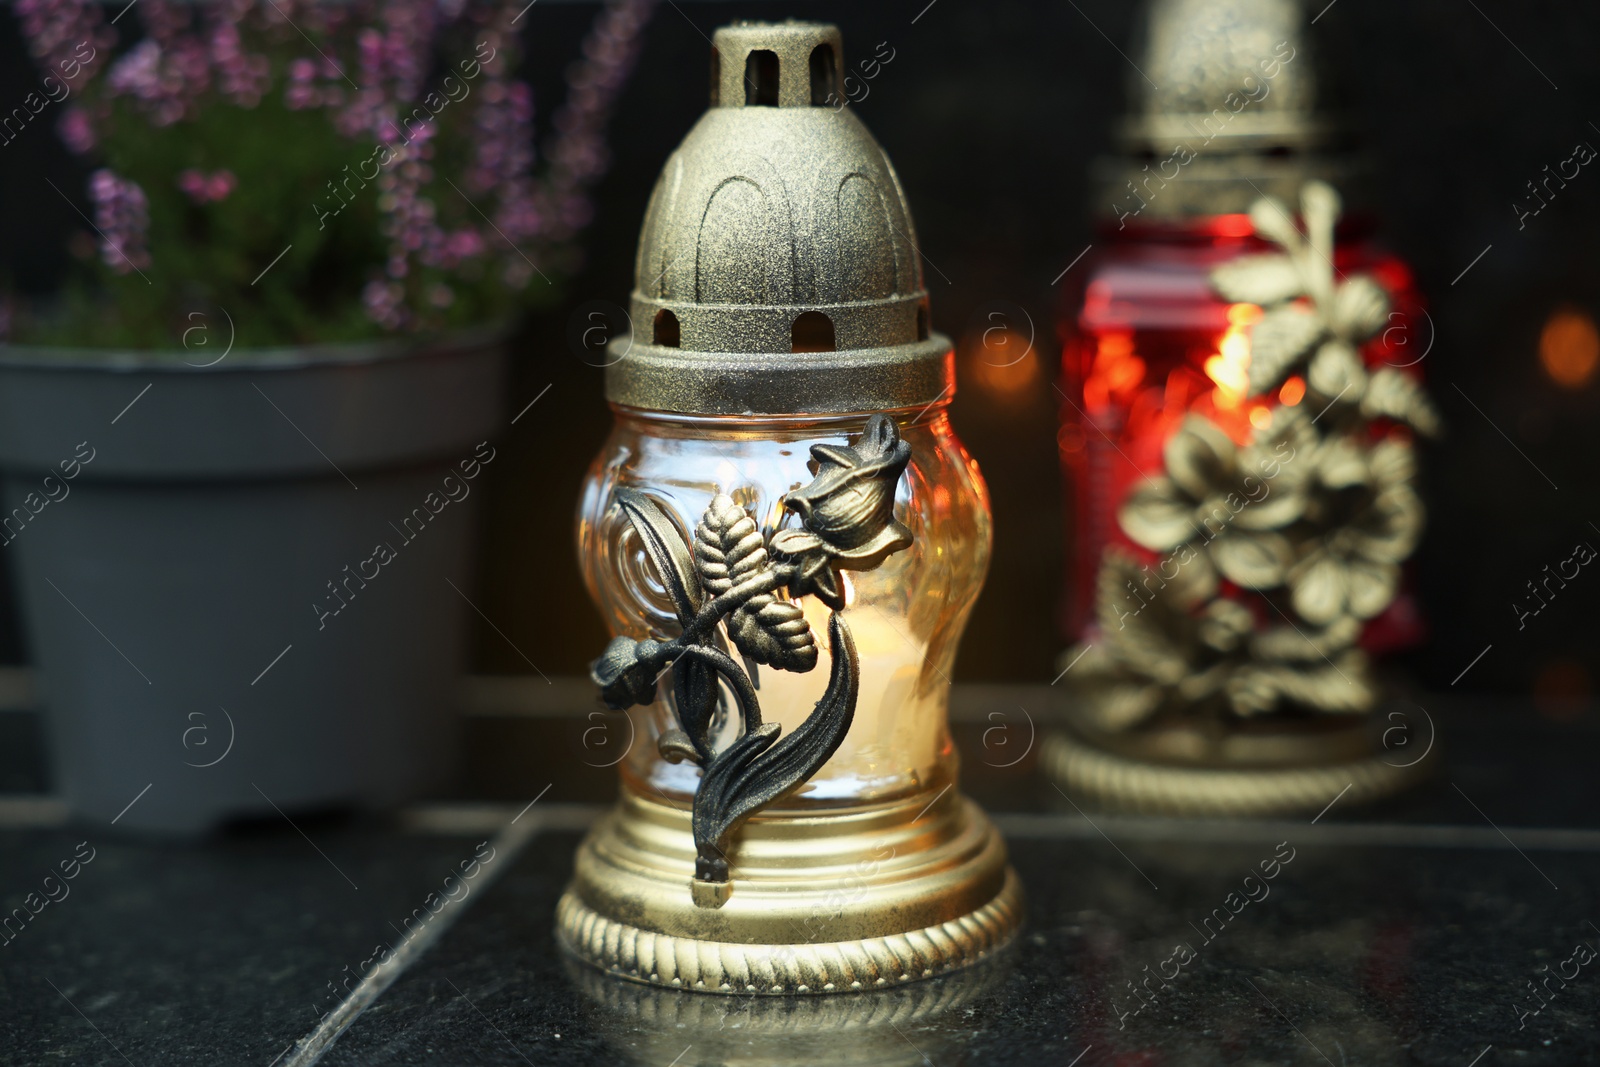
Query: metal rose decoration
[847, 511]
[1269, 556]
[724, 589]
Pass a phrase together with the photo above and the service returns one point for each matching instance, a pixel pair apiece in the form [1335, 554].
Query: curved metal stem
[743, 691]
[708, 616]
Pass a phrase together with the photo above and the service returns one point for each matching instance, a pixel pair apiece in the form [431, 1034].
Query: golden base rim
[836, 900]
[1127, 784]
[622, 950]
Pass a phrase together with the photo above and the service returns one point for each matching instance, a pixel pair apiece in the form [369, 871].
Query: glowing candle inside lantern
[905, 614]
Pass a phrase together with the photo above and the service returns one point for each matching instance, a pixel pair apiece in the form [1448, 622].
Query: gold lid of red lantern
[1229, 103]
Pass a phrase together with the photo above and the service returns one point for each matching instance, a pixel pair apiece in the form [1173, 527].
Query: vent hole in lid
[922, 322]
[823, 74]
[716, 77]
[666, 329]
[812, 332]
[761, 79]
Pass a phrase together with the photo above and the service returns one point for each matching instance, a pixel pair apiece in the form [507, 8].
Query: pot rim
[82, 359]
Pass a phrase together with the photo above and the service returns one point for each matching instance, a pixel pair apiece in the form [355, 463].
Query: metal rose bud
[626, 672]
[849, 505]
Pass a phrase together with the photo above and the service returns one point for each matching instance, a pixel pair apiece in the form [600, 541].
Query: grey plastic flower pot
[198, 553]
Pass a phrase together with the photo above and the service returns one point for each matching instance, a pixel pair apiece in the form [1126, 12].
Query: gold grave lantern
[786, 537]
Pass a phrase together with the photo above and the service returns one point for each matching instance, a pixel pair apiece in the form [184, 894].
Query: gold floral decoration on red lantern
[1270, 556]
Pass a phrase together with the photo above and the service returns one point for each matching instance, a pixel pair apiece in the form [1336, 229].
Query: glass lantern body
[906, 615]
[1147, 341]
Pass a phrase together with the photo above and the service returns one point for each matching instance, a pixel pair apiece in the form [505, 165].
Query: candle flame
[1230, 367]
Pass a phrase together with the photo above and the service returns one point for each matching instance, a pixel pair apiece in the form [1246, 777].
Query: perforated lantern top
[778, 270]
[1230, 100]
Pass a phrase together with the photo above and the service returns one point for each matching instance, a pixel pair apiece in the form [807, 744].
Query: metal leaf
[1337, 373]
[1279, 341]
[667, 551]
[696, 693]
[1300, 644]
[1157, 515]
[774, 632]
[1360, 308]
[754, 771]
[1252, 559]
[1118, 705]
[727, 545]
[1266, 279]
[1396, 395]
[729, 550]
[1271, 219]
[1318, 588]
[1343, 686]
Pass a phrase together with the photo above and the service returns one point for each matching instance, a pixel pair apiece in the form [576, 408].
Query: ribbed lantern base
[821, 901]
[1277, 772]
[848, 1030]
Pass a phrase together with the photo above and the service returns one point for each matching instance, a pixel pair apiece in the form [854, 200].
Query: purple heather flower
[577, 155]
[464, 244]
[168, 71]
[205, 188]
[301, 91]
[122, 215]
[385, 303]
[75, 130]
[242, 77]
[62, 33]
[138, 73]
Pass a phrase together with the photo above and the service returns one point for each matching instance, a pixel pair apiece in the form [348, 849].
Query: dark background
[991, 113]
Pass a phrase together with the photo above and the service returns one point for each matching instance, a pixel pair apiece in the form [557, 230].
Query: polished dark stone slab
[1403, 934]
[1361, 954]
[213, 954]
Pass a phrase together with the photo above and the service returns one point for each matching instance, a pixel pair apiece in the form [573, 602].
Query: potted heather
[242, 449]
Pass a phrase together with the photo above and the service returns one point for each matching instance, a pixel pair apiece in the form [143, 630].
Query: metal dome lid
[1230, 102]
[778, 270]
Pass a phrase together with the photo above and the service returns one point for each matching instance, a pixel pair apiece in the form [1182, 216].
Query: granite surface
[1452, 927]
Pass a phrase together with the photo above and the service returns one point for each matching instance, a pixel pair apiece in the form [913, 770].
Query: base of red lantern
[1180, 770]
